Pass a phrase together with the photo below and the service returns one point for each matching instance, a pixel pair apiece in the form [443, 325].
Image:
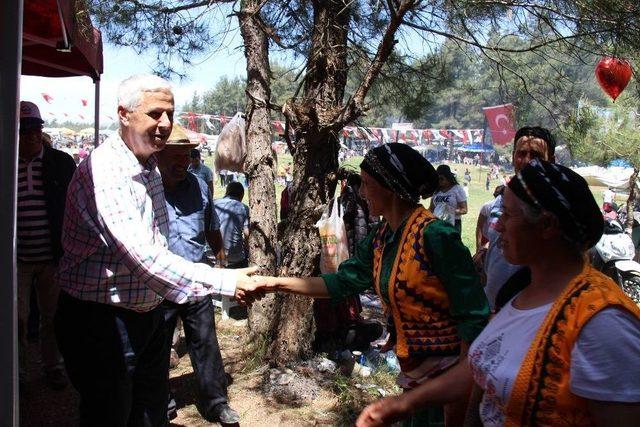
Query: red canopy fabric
[59, 40]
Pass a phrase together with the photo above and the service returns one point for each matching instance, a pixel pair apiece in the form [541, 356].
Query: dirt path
[339, 399]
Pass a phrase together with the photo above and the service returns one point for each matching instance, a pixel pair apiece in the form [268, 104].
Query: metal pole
[10, 58]
[96, 112]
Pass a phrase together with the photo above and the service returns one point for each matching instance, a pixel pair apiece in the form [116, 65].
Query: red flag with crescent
[501, 123]
[47, 97]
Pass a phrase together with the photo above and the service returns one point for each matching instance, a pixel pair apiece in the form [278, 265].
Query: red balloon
[613, 74]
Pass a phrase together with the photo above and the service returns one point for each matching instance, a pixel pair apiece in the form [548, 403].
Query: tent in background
[58, 40]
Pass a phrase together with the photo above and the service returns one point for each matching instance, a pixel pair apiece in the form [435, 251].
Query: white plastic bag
[231, 149]
[333, 236]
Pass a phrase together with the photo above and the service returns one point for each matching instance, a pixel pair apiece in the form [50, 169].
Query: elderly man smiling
[117, 269]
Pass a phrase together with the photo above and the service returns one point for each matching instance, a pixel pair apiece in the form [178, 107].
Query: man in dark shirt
[201, 170]
[43, 177]
[192, 224]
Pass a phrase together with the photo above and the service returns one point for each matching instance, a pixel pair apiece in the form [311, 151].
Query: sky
[120, 63]
[66, 94]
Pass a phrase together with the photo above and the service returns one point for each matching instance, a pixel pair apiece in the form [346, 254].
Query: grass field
[477, 193]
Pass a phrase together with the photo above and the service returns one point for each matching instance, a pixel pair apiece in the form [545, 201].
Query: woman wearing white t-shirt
[563, 351]
[449, 203]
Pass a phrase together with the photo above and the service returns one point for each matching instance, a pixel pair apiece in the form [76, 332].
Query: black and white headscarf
[401, 169]
[561, 191]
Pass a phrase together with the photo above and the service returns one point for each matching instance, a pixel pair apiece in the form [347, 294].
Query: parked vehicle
[614, 256]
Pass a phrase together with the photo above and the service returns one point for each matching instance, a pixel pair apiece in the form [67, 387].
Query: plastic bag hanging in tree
[333, 237]
[231, 150]
[613, 74]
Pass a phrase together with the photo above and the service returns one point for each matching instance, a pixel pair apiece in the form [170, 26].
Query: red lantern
[613, 74]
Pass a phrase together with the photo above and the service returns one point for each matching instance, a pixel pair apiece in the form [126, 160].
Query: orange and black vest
[541, 394]
[418, 302]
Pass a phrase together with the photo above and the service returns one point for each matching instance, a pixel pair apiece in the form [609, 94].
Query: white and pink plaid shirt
[114, 237]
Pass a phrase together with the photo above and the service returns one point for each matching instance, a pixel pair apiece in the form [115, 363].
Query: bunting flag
[207, 122]
[192, 121]
[47, 97]
[84, 102]
[427, 135]
[445, 134]
[501, 123]
[278, 126]
[372, 134]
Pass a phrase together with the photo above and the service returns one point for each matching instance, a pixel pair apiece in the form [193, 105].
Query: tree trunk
[631, 201]
[260, 164]
[315, 159]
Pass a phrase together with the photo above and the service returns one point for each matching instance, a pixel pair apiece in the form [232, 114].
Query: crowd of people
[524, 332]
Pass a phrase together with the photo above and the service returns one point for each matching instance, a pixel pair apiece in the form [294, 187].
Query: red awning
[59, 41]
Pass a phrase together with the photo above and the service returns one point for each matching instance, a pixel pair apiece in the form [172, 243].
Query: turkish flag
[47, 97]
[84, 102]
[501, 123]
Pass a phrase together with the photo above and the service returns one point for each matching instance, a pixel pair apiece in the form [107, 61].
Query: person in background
[487, 219]
[420, 269]
[487, 182]
[234, 225]
[450, 201]
[193, 223]
[553, 355]
[199, 169]
[502, 278]
[223, 177]
[44, 174]
[608, 197]
[116, 268]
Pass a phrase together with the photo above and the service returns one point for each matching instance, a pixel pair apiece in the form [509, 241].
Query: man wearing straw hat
[192, 224]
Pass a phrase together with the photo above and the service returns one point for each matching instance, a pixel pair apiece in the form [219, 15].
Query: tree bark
[631, 201]
[260, 164]
[315, 162]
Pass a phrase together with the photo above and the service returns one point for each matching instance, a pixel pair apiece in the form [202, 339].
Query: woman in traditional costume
[566, 349]
[419, 267]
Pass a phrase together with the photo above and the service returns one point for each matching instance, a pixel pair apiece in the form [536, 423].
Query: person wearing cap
[44, 174]
[117, 269]
[450, 201]
[201, 170]
[566, 349]
[419, 267]
[192, 224]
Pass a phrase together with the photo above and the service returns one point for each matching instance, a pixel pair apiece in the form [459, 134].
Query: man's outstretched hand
[248, 289]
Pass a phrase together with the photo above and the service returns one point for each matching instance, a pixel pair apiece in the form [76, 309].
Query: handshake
[250, 288]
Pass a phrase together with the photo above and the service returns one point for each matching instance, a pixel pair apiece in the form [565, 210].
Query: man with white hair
[116, 268]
